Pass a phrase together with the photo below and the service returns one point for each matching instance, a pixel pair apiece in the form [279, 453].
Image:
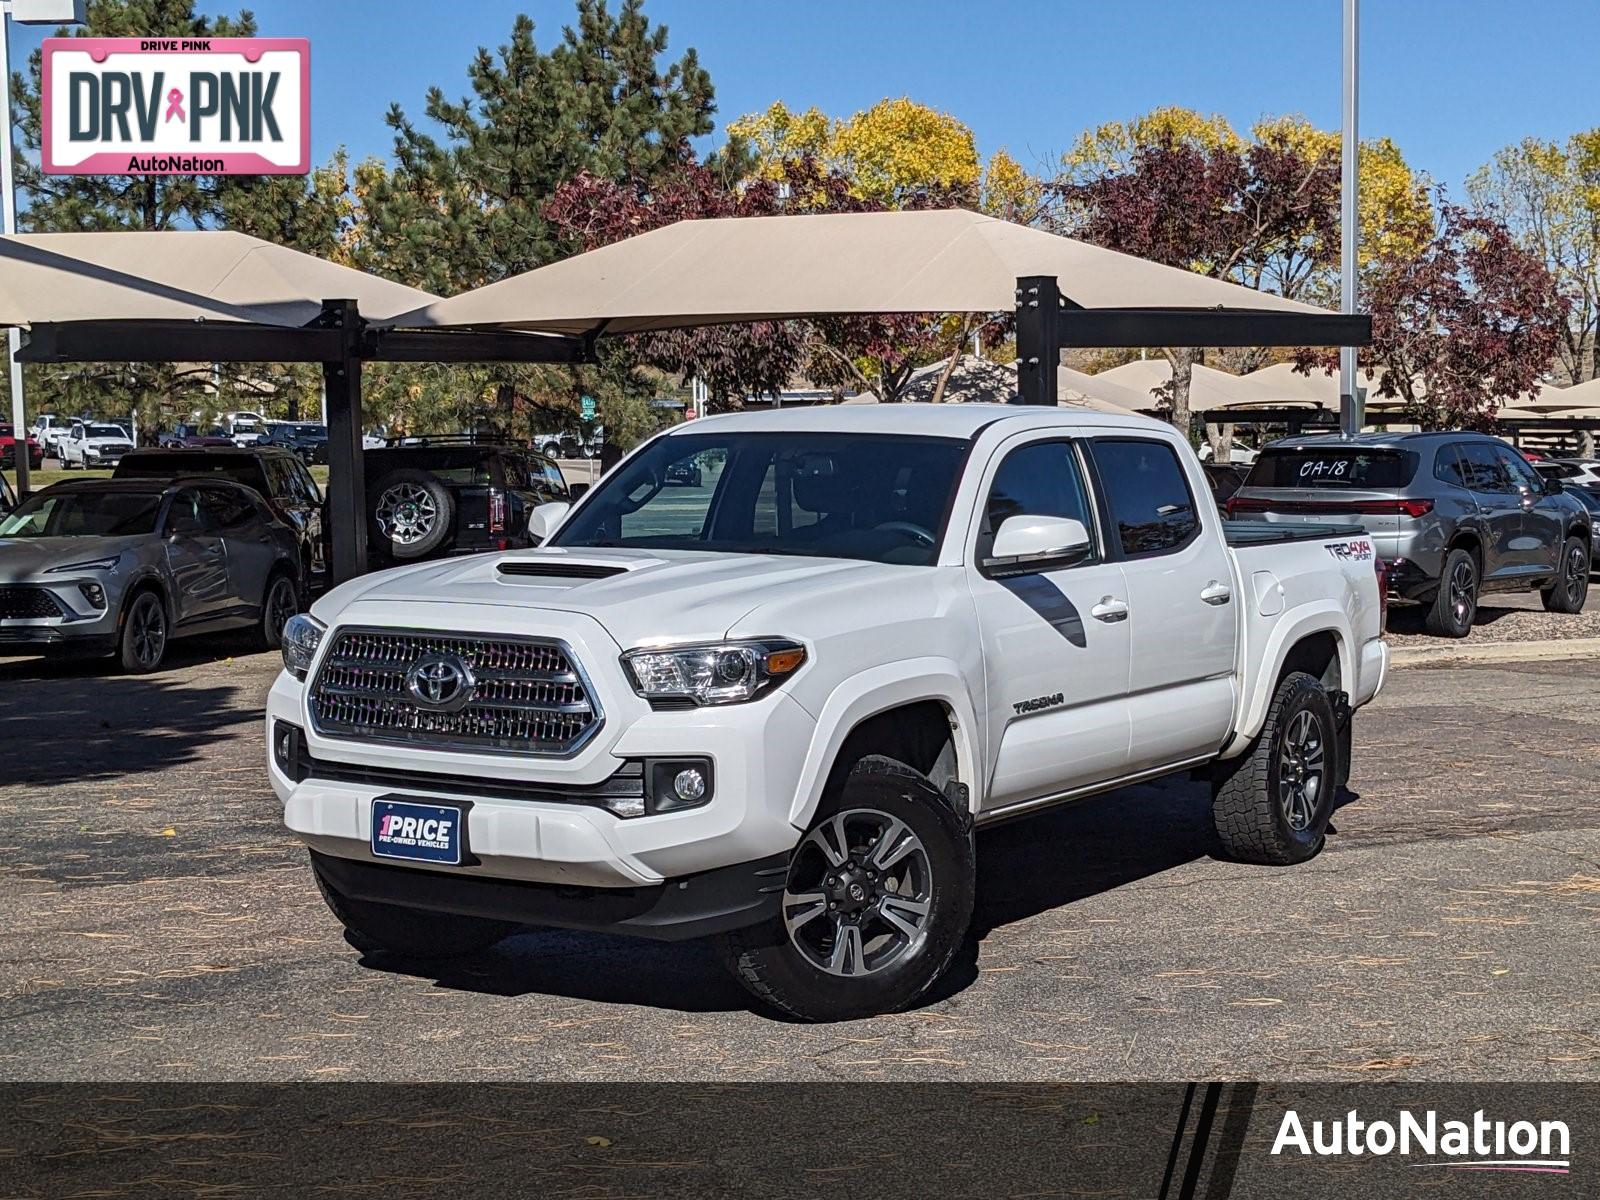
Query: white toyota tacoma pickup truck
[765, 679]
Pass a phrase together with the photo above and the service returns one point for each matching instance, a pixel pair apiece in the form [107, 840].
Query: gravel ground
[1512, 617]
[160, 925]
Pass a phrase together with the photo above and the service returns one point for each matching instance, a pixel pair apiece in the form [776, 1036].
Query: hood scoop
[549, 569]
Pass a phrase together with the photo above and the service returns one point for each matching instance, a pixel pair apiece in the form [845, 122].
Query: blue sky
[1449, 80]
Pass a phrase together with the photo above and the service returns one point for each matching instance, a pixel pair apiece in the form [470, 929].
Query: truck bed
[1267, 533]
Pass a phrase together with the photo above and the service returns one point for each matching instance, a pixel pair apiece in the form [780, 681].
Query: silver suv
[1452, 515]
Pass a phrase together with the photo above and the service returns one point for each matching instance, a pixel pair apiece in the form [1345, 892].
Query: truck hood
[640, 596]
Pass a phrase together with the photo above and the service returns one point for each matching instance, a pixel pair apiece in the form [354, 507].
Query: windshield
[878, 497]
[1333, 467]
[84, 514]
[106, 431]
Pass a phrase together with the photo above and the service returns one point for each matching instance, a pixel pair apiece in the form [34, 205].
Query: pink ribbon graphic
[174, 106]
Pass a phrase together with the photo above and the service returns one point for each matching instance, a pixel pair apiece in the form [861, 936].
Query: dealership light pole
[25, 12]
[1351, 399]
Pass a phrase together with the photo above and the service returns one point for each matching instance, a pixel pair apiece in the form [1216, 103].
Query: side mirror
[1025, 544]
[542, 521]
[1553, 486]
[578, 490]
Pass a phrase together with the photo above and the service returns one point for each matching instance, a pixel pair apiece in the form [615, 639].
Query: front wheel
[1570, 588]
[1272, 804]
[142, 643]
[878, 899]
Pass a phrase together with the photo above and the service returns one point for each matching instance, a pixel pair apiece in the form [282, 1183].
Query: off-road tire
[1570, 588]
[374, 928]
[1246, 804]
[766, 961]
[144, 618]
[443, 521]
[1445, 616]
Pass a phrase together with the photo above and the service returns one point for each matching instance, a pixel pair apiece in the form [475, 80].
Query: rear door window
[1484, 470]
[1151, 506]
[1333, 467]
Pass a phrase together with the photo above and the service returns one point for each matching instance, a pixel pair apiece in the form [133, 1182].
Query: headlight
[725, 673]
[92, 564]
[302, 634]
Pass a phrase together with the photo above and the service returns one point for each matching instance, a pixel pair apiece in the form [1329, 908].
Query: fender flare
[1321, 617]
[878, 690]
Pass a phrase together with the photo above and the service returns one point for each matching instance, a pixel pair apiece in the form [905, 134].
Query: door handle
[1216, 593]
[1110, 610]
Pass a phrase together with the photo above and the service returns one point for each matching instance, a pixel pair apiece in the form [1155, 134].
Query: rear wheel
[1272, 804]
[1456, 604]
[413, 512]
[282, 601]
[878, 898]
[1570, 588]
[409, 932]
[143, 641]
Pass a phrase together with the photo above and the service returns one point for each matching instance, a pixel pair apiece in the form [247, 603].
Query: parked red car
[8, 450]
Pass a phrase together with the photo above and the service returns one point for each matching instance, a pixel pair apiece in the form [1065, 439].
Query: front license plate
[417, 832]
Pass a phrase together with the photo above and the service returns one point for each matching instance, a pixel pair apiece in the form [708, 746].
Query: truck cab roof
[931, 420]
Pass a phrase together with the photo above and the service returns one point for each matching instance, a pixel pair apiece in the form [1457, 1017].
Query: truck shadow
[1025, 868]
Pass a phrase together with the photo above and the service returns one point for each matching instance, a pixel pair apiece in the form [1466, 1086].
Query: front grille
[27, 603]
[529, 696]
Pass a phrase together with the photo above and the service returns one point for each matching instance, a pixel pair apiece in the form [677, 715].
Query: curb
[1456, 654]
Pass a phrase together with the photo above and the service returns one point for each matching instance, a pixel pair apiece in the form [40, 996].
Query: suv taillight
[497, 510]
[1365, 508]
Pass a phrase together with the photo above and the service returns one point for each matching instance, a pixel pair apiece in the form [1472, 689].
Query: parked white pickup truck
[773, 707]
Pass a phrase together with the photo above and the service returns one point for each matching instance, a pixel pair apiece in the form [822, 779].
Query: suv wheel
[279, 604]
[1570, 588]
[414, 513]
[1455, 605]
[877, 901]
[1272, 804]
[143, 641]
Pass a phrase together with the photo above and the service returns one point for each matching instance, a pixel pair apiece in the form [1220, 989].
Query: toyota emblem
[441, 682]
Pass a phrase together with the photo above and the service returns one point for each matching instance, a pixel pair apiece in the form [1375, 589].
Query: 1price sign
[171, 106]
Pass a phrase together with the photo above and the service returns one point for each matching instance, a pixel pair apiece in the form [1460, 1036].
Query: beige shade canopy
[1319, 387]
[1210, 390]
[208, 275]
[983, 381]
[1579, 400]
[771, 268]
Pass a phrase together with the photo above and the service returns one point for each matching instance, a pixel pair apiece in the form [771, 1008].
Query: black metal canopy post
[346, 514]
[1038, 338]
[1046, 324]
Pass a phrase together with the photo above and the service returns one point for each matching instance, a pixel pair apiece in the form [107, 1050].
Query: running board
[1023, 808]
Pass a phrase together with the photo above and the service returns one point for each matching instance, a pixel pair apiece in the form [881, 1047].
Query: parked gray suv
[1452, 515]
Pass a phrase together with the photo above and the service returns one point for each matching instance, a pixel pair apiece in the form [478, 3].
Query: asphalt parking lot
[160, 925]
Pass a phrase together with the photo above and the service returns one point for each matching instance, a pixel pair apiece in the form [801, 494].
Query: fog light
[286, 750]
[677, 783]
[93, 593]
[689, 785]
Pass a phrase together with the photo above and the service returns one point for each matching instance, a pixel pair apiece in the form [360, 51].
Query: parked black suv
[306, 438]
[277, 474]
[428, 497]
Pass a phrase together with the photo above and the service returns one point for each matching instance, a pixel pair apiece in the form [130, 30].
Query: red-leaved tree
[1461, 327]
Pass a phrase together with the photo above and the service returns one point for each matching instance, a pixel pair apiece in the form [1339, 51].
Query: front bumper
[675, 910]
[528, 819]
[76, 625]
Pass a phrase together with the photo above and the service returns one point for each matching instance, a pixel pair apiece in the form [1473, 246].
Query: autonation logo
[1476, 1145]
